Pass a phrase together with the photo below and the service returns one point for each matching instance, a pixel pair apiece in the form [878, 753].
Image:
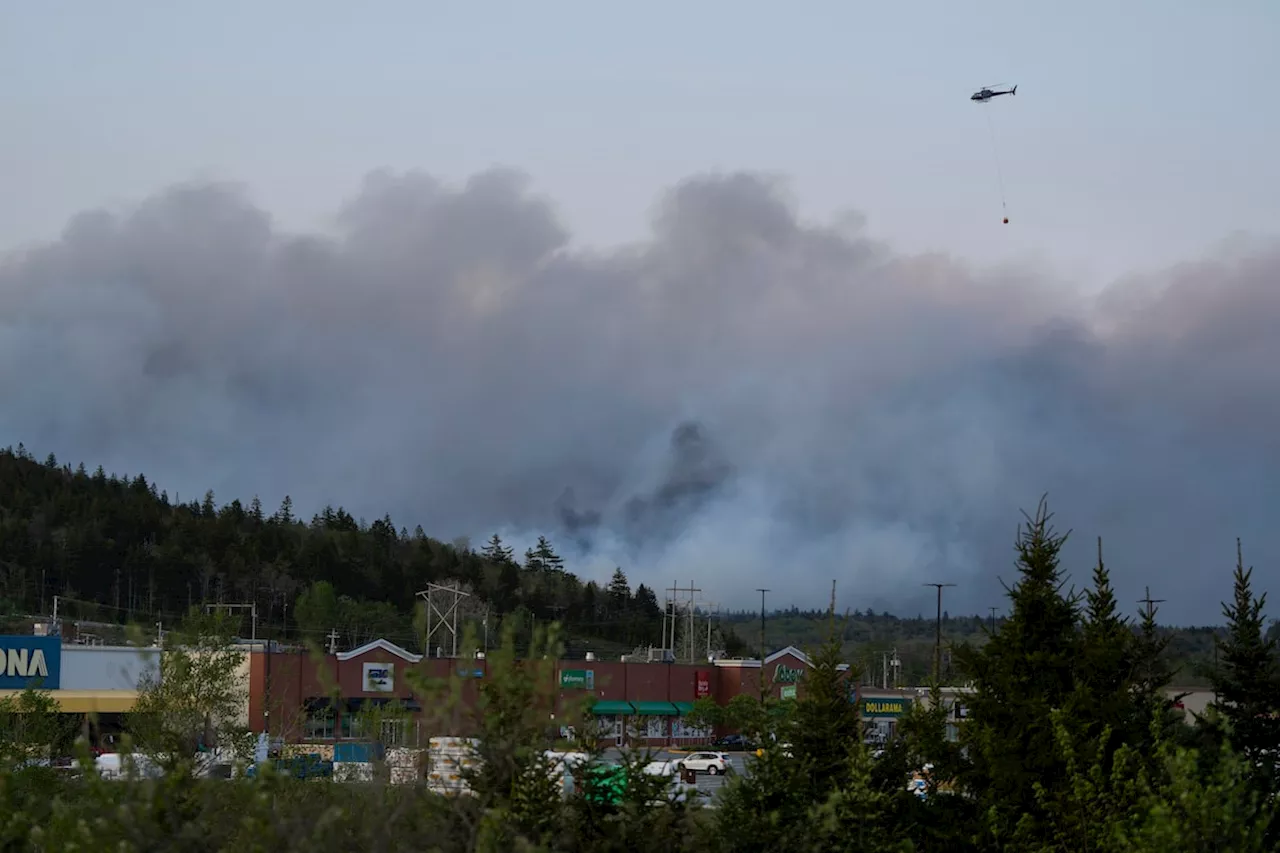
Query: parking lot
[706, 782]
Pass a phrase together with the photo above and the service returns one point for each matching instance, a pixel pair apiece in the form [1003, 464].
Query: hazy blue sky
[1141, 133]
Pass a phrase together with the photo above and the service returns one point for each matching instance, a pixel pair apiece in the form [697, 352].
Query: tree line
[116, 549]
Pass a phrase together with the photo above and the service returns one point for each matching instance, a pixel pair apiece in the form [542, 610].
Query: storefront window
[681, 729]
[319, 723]
[655, 727]
[394, 732]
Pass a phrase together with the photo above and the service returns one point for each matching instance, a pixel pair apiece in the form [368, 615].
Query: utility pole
[762, 592]
[333, 641]
[253, 615]
[993, 620]
[1149, 601]
[937, 643]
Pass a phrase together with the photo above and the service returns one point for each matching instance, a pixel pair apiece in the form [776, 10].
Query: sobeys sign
[578, 679]
[893, 706]
[787, 675]
[30, 662]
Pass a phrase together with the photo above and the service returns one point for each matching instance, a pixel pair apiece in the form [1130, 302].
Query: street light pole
[762, 592]
[937, 643]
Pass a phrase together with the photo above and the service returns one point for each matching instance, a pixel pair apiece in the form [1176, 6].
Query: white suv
[714, 763]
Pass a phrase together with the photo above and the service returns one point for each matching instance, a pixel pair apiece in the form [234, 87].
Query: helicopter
[987, 94]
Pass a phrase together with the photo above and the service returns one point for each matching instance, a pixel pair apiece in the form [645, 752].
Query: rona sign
[30, 662]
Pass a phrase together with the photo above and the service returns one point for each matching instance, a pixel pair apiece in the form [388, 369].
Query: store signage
[789, 692]
[885, 707]
[577, 679]
[701, 684]
[29, 661]
[379, 678]
[787, 675]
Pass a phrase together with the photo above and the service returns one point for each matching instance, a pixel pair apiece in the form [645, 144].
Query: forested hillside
[117, 549]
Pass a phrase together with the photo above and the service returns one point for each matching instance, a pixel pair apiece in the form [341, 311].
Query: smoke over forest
[743, 398]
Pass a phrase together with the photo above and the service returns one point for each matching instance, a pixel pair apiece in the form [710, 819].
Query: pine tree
[1105, 669]
[826, 726]
[618, 592]
[548, 560]
[496, 552]
[1020, 676]
[1246, 681]
[284, 515]
[1153, 675]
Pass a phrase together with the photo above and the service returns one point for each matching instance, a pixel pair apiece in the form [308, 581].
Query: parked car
[733, 742]
[661, 768]
[713, 763]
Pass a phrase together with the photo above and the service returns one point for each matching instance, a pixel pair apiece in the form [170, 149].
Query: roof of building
[381, 645]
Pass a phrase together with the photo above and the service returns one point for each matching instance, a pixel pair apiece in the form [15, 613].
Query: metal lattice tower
[672, 615]
[442, 612]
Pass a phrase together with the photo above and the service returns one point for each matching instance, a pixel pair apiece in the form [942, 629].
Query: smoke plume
[742, 399]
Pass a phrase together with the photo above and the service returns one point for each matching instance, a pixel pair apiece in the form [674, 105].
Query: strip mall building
[317, 700]
[302, 698]
[87, 681]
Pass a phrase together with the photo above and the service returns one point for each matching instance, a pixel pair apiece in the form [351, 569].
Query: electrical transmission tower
[442, 612]
[680, 599]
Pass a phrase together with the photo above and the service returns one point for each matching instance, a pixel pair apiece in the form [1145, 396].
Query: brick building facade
[298, 696]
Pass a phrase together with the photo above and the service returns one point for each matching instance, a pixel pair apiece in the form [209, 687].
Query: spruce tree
[1152, 677]
[1020, 676]
[1246, 681]
[548, 560]
[1106, 667]
[496, 552]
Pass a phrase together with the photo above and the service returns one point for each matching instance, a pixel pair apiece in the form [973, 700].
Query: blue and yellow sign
[27, 661]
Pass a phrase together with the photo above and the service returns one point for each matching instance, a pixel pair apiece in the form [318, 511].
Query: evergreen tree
[1105, 667]
[826, 726]
[618, 592]
[1020, 676]
[547, 558]
[1153, 675]
[1246, 681]
[284, 515]
[496, 552]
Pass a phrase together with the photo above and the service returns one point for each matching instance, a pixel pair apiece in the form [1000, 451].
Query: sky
[717, 292]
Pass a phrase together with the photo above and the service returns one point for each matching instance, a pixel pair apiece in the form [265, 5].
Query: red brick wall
[280, 682]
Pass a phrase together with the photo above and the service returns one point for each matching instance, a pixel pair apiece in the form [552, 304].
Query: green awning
[655, 709]
[611, 706]
[683, 708]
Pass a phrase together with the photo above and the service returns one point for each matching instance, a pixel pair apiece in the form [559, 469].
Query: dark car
[732, 742]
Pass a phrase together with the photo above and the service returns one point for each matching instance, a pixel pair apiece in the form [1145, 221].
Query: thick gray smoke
[742, 400]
